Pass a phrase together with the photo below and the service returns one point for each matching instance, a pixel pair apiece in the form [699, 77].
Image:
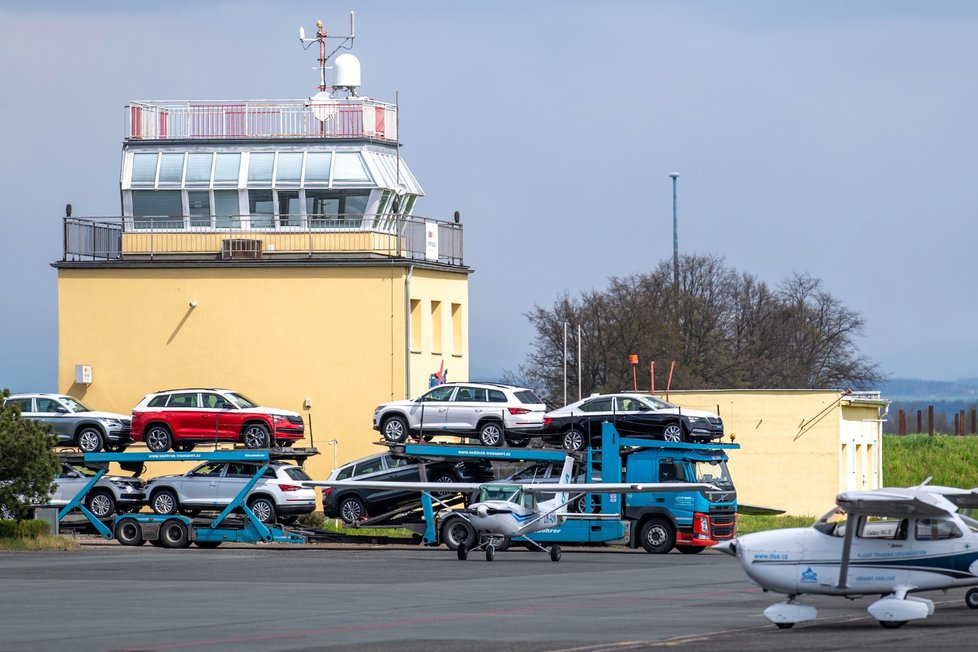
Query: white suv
[492, 413]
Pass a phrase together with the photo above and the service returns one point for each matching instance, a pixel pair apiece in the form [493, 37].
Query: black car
[354, 505]
[578, 425]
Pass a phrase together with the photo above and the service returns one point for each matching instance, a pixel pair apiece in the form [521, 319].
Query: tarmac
[385, 598]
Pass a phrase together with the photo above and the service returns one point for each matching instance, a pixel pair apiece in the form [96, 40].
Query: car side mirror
[60, 409]
[227, 406]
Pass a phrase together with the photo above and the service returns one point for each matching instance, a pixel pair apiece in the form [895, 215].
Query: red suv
[179, 418]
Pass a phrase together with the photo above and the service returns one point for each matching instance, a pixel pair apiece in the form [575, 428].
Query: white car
[213, 485]
[492, 413]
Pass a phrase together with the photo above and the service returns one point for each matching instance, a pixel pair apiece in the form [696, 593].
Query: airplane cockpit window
[504, 493]
[833, 523]
[883, 527]
[936, 529]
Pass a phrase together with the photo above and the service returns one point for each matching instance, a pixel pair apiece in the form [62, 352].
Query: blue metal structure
[149, 526]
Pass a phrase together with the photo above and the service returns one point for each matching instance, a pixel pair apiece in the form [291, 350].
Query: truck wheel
[491, 434]
[690, 550]
[456, 532]
[573, 440]
[674, 433]
[173, 534]
[129, 533]
[90, 439]
[395, 429]
[658, 536]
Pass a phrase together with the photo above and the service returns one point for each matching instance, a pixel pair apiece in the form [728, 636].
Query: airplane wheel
[971, 598]
[490, 552]
[784, 625]
[892, 624]
[555, 552]
[463, 552]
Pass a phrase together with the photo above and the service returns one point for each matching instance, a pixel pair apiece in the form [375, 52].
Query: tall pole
[565, 363]
[579, 380]
[675, 235]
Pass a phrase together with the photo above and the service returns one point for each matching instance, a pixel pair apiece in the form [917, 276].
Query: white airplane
[890, 542]
[506, 510]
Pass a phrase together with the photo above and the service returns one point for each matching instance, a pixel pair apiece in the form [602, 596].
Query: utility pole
[675, 236]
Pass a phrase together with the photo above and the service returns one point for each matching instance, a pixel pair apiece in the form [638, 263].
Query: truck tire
[457, 532]
[129, 533]
[174, 534]
[658, 536]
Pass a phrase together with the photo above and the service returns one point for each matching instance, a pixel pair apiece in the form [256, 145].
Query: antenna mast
[346, 43]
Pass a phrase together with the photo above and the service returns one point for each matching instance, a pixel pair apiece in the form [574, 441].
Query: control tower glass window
[260, 167]
[289, 169]
[199, 169]
[317, 168]
[157, 209]
[144, 169]
[226, 170]
[171, 169]
[261, 209]
[336, 208]
[349, 167]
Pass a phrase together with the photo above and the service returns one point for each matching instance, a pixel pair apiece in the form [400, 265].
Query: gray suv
[75, 423]
[110, 494]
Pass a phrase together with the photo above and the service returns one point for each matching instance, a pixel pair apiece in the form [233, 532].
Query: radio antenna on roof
[346, 43]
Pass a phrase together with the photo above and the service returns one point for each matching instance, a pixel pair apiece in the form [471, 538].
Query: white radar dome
[347, 69]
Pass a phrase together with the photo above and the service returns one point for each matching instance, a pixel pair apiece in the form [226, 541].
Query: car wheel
[395, 429]
[159, 439]
[90, 439]
[174, 534]
[673, 433]
[444, 476]
[263, 509]
[255, 435]
[690, 550]
[456, 532]
[573, 440]
[491, 434]
[352, 510]
[164, 502]
[101, 504]
[207, 544]
[658, 536]
[129, 533]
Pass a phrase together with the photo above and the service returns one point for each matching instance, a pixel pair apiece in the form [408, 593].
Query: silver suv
[490, 412]
[110, 494]
[213, 485]
[75, 423]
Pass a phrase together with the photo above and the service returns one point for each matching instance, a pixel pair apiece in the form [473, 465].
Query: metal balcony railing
[267, 119]
[265, 237]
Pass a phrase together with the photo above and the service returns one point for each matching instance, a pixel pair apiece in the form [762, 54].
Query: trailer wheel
[658, 536]
[128, 532]
[690, 550]
[174, 534]
[456, 532]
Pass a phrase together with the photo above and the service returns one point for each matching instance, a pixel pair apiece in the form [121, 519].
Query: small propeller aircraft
[506, 510]
[890, 542]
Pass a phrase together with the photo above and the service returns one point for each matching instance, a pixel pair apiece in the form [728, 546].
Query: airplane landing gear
[971, 598]
[555, 552]
[490, 552]
[785, 614]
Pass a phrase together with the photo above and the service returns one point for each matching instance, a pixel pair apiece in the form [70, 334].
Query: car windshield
[657, 403]
[713, 472]
[241, 400]
[75, 405]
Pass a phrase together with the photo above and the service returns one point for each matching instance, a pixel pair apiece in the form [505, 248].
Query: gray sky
[833, 138]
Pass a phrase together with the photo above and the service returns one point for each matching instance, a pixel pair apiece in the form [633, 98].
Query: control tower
[271, 247]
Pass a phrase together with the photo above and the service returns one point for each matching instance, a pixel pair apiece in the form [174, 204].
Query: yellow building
[272, 248]
[799, 448]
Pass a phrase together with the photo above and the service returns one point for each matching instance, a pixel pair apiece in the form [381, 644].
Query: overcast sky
[837, 139]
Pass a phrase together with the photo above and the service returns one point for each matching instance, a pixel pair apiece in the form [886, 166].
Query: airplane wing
[895, 502]
[462, 487]
[615, 487]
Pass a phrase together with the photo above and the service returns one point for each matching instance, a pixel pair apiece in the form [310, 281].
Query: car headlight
[111, 422]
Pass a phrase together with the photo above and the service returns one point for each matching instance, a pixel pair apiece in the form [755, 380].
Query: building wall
[280, 335]
[799, 448]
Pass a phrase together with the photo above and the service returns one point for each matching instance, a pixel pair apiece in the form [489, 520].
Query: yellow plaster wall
[427, 286]
[277, 334]
[791, 454]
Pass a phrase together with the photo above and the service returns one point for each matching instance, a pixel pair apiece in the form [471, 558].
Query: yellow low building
[798, 448]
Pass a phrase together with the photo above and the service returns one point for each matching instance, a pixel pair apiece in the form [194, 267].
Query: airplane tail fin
[566, 477]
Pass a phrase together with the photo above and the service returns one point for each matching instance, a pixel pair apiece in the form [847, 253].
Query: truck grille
[723, 527]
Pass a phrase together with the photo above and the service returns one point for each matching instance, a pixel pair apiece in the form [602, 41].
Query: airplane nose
[482, 510]
[727, 547]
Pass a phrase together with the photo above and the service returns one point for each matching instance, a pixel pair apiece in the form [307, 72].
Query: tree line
[724, 329]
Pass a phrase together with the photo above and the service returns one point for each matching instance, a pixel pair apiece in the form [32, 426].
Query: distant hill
[918, 390]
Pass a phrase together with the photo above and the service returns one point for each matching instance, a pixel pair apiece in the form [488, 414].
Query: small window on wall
[436, 326]
[226, 209]
[144, 169]
[415, 326]
[456, 329]
[157, 209]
